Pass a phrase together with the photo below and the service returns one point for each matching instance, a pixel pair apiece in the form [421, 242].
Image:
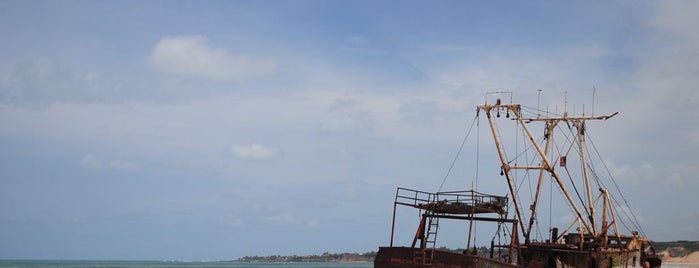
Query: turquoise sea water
[176, 264]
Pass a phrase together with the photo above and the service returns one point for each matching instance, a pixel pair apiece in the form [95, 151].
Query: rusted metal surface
[453, 202]
[406, 257]
[536, 255]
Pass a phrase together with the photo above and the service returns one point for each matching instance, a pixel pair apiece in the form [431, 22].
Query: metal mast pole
[505, 167]
[611, 209]
[580, 125]
[549, 133]
[605, 240]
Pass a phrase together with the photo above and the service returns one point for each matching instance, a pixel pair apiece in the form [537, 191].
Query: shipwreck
[555, 144]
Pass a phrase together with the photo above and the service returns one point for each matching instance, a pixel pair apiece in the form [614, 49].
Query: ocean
[175, 264]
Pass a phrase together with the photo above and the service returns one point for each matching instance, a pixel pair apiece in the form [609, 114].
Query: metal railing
[422, 199]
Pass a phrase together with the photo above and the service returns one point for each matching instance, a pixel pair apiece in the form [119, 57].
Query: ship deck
[454, 202]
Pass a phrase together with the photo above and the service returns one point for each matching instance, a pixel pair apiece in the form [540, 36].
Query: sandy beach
[692, 258]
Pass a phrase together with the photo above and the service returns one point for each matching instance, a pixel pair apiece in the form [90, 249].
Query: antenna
[593, 100]
[538, 105]
[565, 103]
[497, 92]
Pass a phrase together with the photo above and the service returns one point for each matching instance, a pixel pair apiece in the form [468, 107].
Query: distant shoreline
[691, 258]
[678, 252]
[325, 257]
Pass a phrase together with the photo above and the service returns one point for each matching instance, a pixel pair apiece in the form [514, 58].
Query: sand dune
[691, 258]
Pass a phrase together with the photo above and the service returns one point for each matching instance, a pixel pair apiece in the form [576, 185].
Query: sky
[212, 130]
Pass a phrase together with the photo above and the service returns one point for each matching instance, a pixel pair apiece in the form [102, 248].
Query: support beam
[549, 133]
[505, 167]
[580, 126]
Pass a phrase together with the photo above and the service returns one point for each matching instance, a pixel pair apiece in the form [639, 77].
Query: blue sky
[198, 130]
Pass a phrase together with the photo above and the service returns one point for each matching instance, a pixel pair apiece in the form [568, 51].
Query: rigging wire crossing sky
[208, 130]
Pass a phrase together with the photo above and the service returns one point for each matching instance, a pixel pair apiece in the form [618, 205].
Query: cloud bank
[254, 152]
[194, 57]
[95, 162]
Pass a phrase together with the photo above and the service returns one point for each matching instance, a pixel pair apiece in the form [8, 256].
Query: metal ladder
[430, 240]
[431, 237]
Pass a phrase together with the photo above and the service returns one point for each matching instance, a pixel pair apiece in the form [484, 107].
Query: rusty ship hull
[407, 257]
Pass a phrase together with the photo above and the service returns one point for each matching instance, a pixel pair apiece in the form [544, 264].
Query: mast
[546, 165]
[580, 126]
[505, 167]
[605, 240]
[549, 130]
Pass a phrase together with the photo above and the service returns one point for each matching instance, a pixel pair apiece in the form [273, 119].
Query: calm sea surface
[176, 264]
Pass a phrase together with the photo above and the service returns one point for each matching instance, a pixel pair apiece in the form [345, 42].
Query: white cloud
[95, 162]
[121, 164]
[674, 179]
[348, 115]
[420, 112]
[678, 18]
[287, 218]
[282, 218]
[482, 69]
[254, 152]
[192, 56]
[313, 224]
[656, 124]
[40, 83]
[646, 173]
[89, 161]
[230, 221]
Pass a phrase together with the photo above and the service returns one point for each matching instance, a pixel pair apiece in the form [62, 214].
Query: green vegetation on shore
[678, 248]
[325, 257]
[690, 246]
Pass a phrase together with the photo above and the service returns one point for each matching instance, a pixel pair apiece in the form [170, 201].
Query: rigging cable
[514, 171]
[620, 219]
[572, 139]
[459, 152]
[555, 144]
[524, 151]
[570, 177]
[478, 145]
[635, 224]
[553, 239]
[635, 220]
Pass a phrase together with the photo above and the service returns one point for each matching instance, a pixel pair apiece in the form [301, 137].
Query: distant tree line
[325, 257]
[345, 257]
[678, 248]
